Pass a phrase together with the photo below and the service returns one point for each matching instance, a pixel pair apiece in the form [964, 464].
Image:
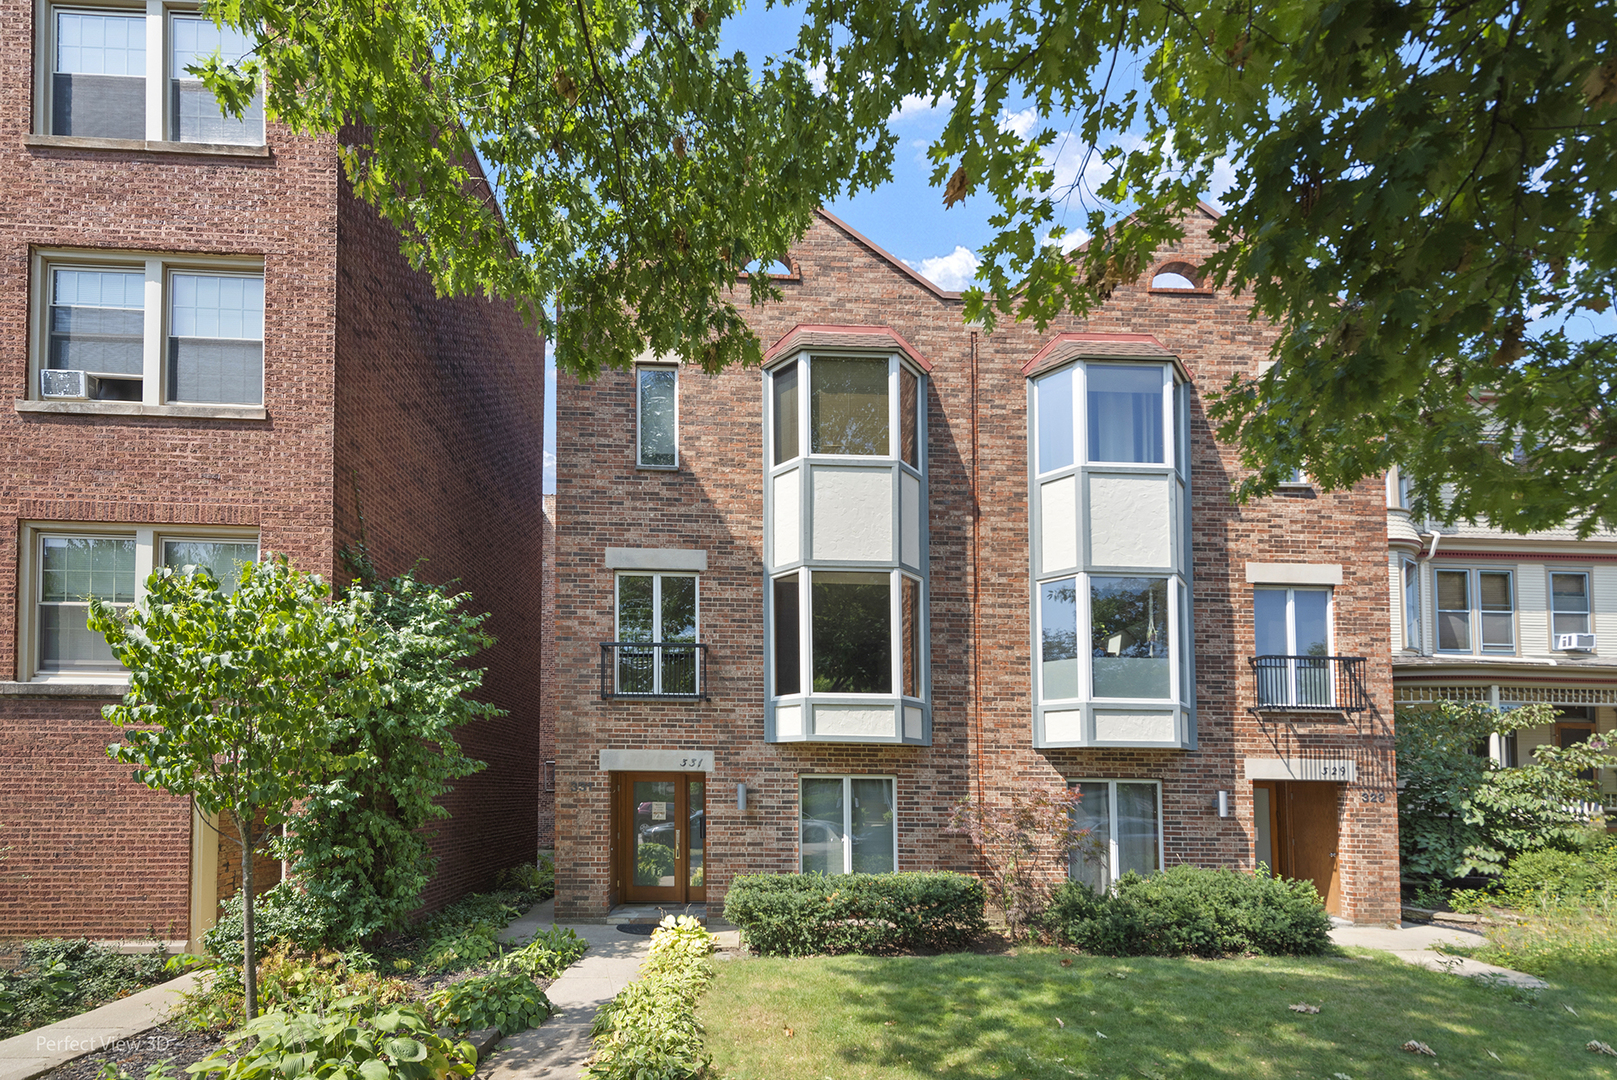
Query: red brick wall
[547, 673]
[981, 724]
[439, 423]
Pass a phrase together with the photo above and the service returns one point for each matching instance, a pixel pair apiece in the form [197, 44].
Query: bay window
[845, 549]
[1109, 495]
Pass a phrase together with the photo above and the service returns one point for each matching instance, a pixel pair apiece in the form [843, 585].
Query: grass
[1562, 940]
[1041, 1013]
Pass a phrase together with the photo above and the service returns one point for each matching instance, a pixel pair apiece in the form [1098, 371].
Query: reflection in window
[852, 633]
[1453, 610]
[910, 601]
[657, 610]
[1124, 831]
[1058, 622]
[785, 405]
[1569, 603]
[1128, 625]
[223, 559]
[848, 407]
[909, 440]
[1125, 413]
[788, 658]
[848, 825]
[1294, 625]
[1412, 605]
[72, 570]
[1054, 407]
[659, 417]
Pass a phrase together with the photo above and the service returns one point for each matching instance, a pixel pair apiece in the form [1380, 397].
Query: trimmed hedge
[803, 914]
[1190, 911]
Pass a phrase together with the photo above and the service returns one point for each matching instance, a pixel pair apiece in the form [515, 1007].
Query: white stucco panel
[913, 722]
[853, 514]
[1058, 523]
[788, 721]
[909, 502]
[855, 720]
[1134, 727]
[1129, 522]
[1066, 726]
[788, 510]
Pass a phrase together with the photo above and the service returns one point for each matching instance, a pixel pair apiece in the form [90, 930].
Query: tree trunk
[249, 970]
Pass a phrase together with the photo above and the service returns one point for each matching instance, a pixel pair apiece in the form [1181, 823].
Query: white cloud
[1019, 123]
[953, 271]
[914, 107]
[816, 78]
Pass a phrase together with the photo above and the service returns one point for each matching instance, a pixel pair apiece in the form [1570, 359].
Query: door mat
[638, 929]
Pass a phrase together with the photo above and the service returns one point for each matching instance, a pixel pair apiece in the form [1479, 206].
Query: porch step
[652, 914]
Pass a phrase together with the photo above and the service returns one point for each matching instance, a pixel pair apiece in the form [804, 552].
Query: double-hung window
[1476, 610]
[846, 550]
[1569, 604]
[102, 60]
[73, 564]
[657, 417]
[1109, 541]
[1121, 830]
[848, 825]
[1292, 635]
[152, 330]
[656, 652]
[1412, 606]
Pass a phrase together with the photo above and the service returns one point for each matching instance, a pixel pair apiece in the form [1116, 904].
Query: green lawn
[975, 1017]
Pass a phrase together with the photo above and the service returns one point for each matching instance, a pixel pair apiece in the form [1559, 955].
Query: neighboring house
[1479, 614]
[800, 613]
[215, 352]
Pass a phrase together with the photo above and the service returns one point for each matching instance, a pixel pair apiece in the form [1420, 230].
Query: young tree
[1024, 843]
[1460, 812]
[234, 698]
[358, 843]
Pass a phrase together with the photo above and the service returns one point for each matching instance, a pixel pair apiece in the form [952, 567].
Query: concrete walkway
[1412, 943]
[36, 1052]
[559, 1048]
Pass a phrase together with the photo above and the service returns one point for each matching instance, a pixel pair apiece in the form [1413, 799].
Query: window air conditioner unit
[60, 385]
[1575, 642]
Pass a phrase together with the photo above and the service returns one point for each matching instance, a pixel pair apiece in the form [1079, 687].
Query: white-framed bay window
[847, 825]
[1109, 489]
[846, 549]
[1122, 820]
[65, 565]
[117, 70]
[179, 334]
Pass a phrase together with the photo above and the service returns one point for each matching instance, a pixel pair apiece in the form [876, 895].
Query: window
[849, 825]
[1569, 604]
[1123, 819]
[1292, 631]
[1109, 536]
[146, 330]
[1476, 609]
[658, 611]
[102, 59]
[658, 398]
[73, 565]
[1412, 606]
[846, 549]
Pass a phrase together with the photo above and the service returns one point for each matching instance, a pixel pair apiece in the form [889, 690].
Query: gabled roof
[882, 253]
[1065, 347]
[813, 336]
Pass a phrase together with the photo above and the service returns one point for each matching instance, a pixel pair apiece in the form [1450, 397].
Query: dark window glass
[1125, 413]
[912, 636]
[788, 659]
[908, 422]
[659, 430]
[853, 637]
[1498, 609]
[1453, 610]
[848, 407]
[1569, 604]
[785, 389]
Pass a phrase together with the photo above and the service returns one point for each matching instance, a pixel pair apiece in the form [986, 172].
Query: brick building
[259, 364]
[799, 614]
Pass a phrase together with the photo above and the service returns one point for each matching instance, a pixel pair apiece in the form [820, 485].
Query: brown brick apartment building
[259, 363]
[801, 613]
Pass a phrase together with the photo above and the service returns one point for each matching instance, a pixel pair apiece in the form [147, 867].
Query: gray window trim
[847, 813]
[1588, 592]
[1474, 597]
[639, 454]
[1111, 795]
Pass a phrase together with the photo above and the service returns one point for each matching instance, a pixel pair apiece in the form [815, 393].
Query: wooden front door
[1302, 834]
[662, 837]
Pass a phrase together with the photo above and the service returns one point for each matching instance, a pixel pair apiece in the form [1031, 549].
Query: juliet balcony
[654, 669]
[1333, 684]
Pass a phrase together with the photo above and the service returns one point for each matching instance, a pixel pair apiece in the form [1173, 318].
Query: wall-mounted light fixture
[741, 797]
[1223, 804]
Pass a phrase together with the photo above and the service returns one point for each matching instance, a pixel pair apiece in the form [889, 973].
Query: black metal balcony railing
[1310, 683]
[653, 669]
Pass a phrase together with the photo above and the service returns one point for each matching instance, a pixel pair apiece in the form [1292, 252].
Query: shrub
[354, 1041]
[546, 956]
[1551, 877]
[801, 914]
[59, 978]
[292, 981]
[510, 1002]
[650, 1031]
[538, 878]
[1193, 911]
[285, 914]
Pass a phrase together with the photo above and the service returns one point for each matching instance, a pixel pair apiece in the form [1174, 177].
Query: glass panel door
[696, 840]
[656, 824]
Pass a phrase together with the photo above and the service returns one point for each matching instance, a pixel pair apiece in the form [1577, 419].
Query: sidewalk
[558, 1049]
[33, 1053]
[1412, 943]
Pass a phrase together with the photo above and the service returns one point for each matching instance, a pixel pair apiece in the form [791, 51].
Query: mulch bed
[140, 1052]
